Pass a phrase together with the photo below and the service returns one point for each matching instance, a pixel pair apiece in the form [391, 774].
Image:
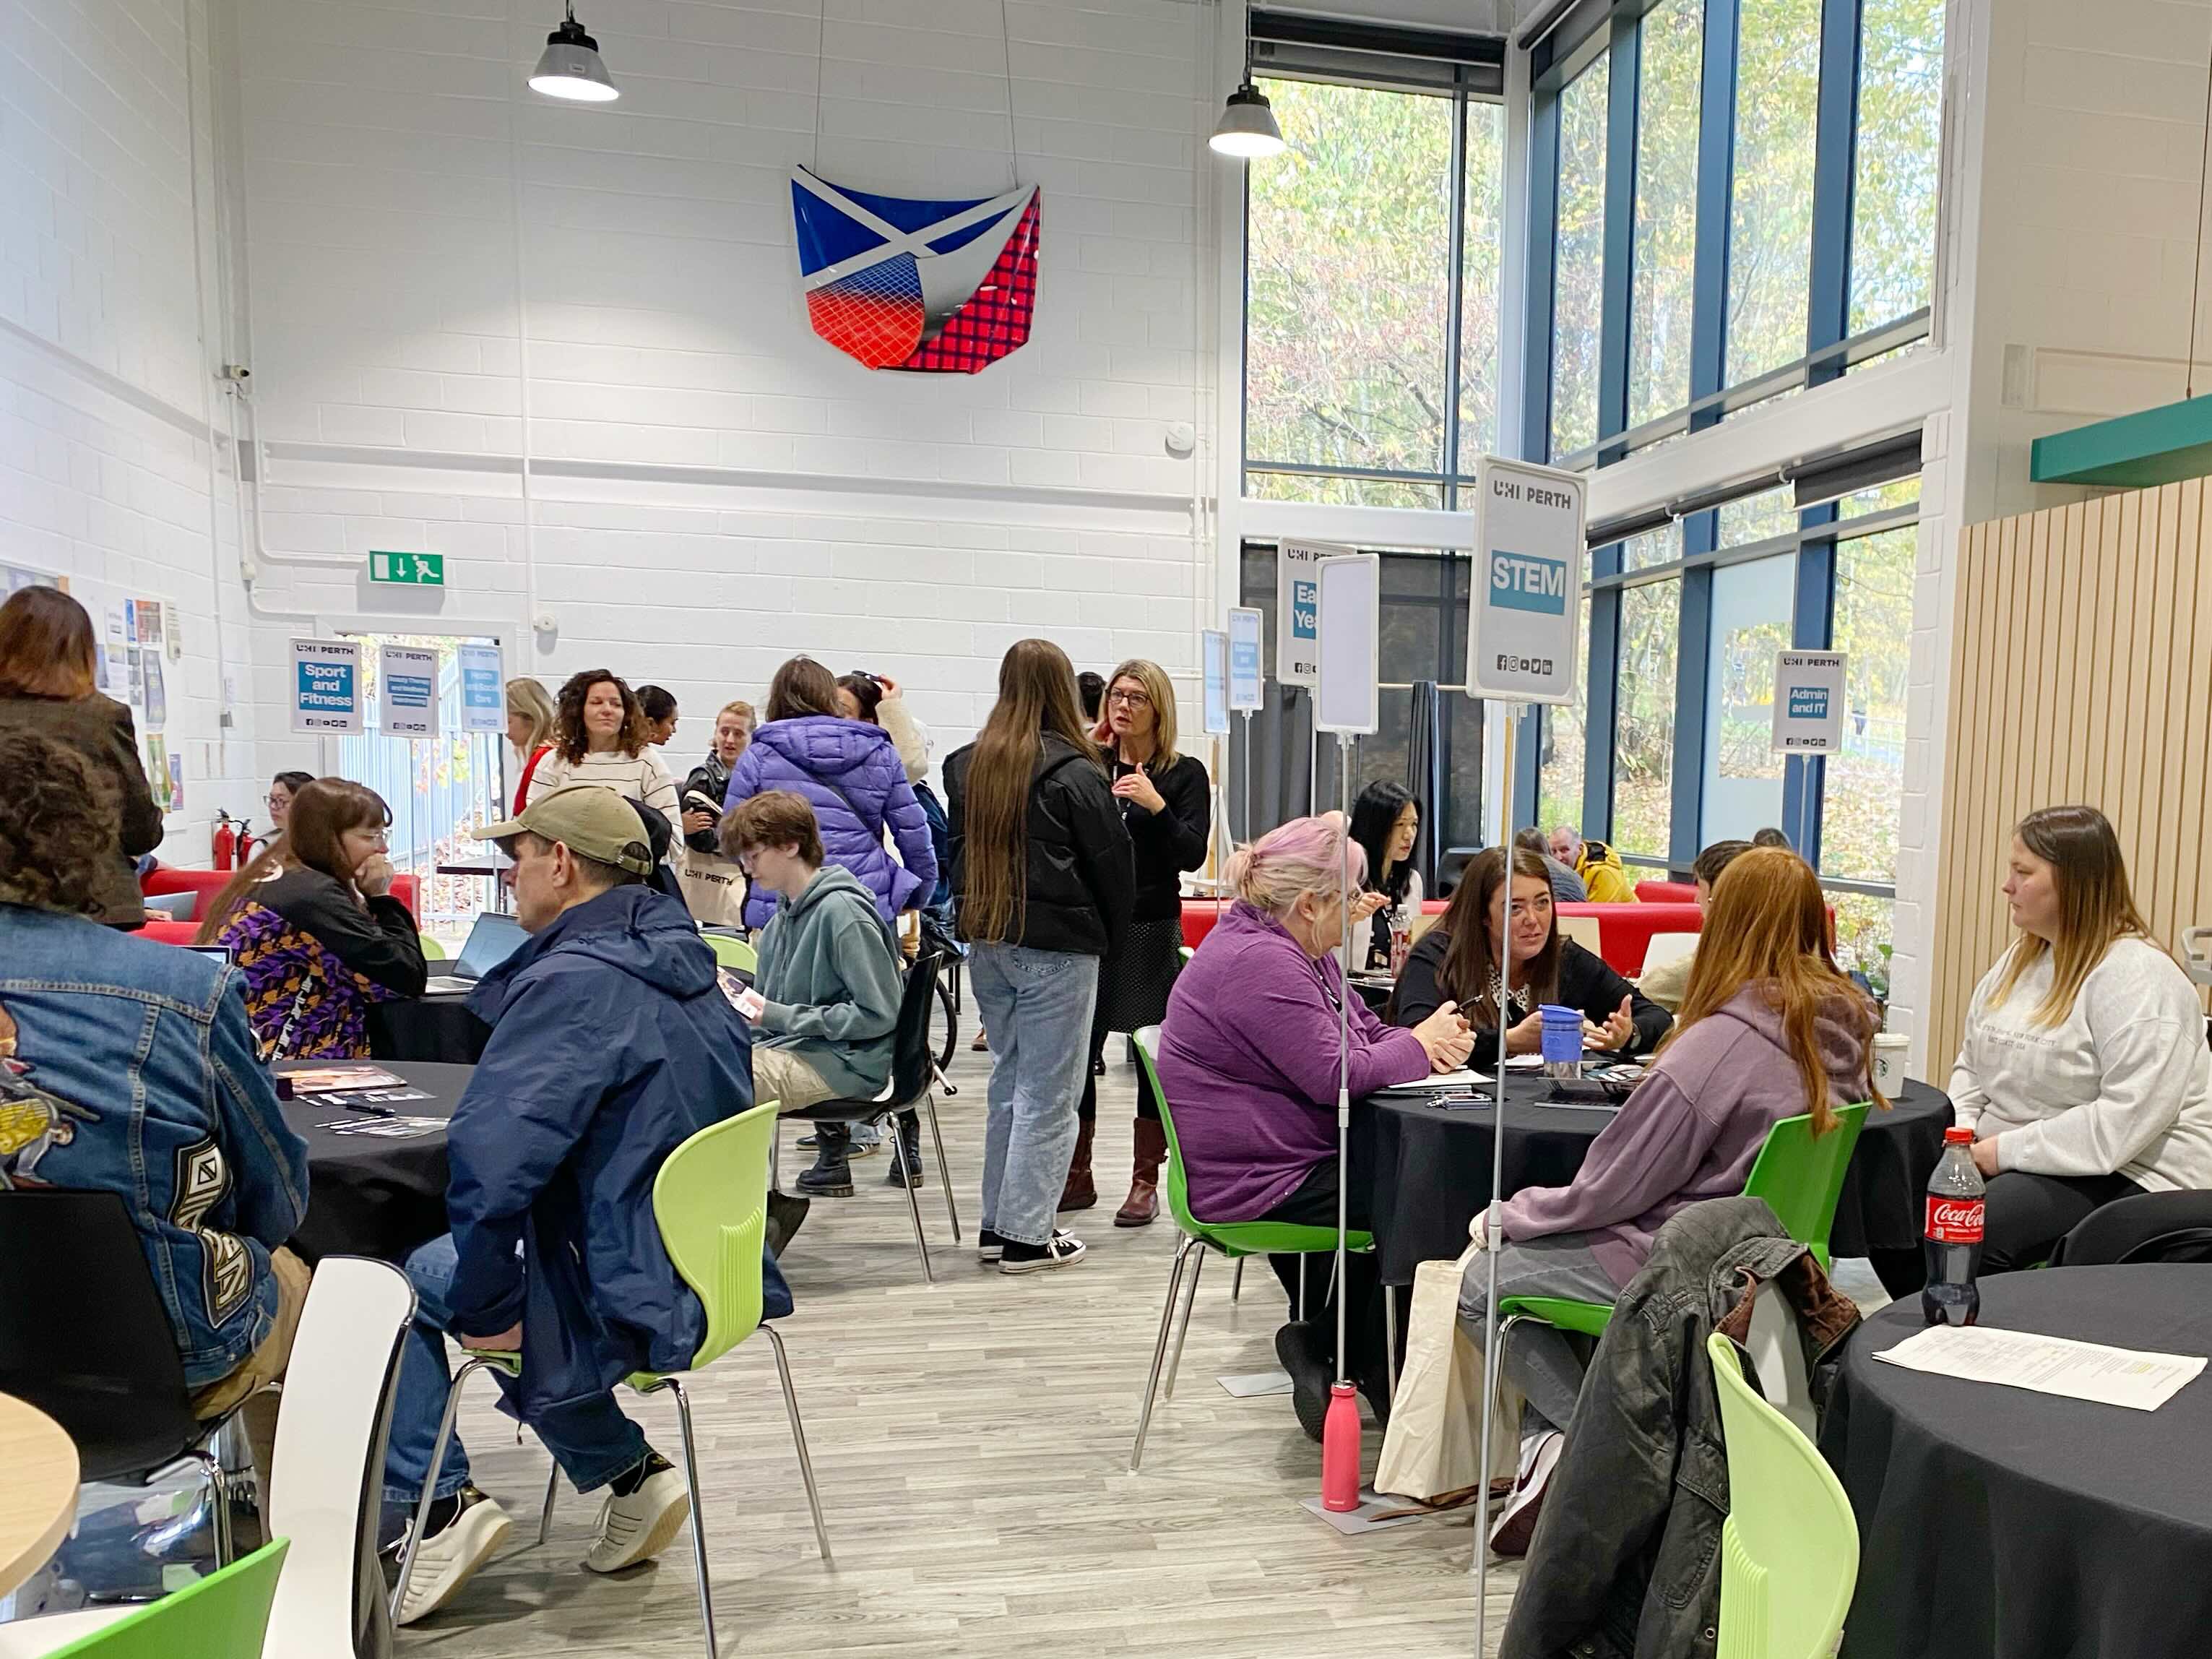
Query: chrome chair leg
[1183, 1325]
[545, 1515]
[430, 1480]
[944, 1170]
[799, 1440]
[219, 1495]
[1159, 1352]
[906, 1180]
[1303, 1261]
[1237, 1281]
[675, 1386]
[1493, 1373]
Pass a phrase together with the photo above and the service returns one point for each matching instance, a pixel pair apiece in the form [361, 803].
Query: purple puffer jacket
[850, 773]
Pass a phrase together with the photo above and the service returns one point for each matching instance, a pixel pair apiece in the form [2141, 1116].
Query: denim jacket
[128, 1066]
[1625, 1559]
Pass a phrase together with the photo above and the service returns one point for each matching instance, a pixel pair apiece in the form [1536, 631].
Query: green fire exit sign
[423, 569]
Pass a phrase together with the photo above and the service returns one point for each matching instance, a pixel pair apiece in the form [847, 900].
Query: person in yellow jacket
[1598, 865]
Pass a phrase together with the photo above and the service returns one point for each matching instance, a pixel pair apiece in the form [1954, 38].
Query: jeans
[590, 1439]
[1541, 1361]
[1037, 1005]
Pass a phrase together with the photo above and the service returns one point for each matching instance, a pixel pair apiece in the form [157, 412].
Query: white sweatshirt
[2122, 1085]
[640, 777]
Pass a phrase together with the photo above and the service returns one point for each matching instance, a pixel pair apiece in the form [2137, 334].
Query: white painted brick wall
[913, 524]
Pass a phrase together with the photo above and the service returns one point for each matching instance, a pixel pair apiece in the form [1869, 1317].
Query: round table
[1427, 1167]
[368, 1194]
[38, 1500]
[1999, 1521]
[435, 1026]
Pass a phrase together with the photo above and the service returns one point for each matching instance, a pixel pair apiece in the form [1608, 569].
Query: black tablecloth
[1427, 1168]
[437, 1027]
[1998, 1523]
[371, 1196]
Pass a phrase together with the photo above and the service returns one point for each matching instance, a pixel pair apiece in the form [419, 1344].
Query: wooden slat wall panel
[2081, 672]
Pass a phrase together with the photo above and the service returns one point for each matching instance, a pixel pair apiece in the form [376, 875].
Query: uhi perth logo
[1808, 702]
[1523, 582]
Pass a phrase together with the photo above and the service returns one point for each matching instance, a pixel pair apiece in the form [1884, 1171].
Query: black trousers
[2027, 1215]
[1313, 1204]
[1086, 1109]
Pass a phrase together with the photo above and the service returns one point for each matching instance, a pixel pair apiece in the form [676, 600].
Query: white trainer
[449, 1557]
[636, 1528]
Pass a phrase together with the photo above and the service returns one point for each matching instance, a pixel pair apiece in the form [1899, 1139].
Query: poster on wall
[407, 691]
[114, 657]
[483, 693]
[1524, 622]
[176, 783]
[150, 622]
[157, 694]
[1297, 610]
[157, 772]
[940, 288]
[326, 686]
[1808, 702]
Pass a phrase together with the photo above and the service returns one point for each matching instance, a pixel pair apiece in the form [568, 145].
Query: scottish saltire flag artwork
[943, 287]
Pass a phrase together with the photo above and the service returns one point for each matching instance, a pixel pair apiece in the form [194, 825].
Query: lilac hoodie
[1248, 1061]
[1694, 1127]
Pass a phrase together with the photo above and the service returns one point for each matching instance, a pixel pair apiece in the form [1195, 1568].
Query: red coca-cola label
[1954, 1220]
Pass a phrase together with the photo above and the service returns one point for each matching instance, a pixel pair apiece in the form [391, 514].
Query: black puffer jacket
[1080, 878]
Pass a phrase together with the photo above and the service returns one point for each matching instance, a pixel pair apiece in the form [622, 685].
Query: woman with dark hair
[1386, 822]
[281, 788]
[2083, 1072]
[1458, 960]
[850, 773]
[1043, 879]
[311, 924]
[600, 735]
[49, 684]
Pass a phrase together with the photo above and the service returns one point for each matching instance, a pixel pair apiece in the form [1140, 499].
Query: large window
[1579, 260]
[1900, 133]
[1562, 768]
[1751, 622]
[1771, 205]
[1351, 392]
[1643, 739]
[1666, 210]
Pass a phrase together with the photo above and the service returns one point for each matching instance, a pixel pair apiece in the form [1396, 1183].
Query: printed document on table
[2048, 1364]
[1458, 1079]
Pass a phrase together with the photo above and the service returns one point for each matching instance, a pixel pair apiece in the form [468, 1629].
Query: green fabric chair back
[1232, 1238]
[710, 1200]
[1801, 1175]
[432, 950]
[224, 1616]
[1789, 1546]
[735, 954]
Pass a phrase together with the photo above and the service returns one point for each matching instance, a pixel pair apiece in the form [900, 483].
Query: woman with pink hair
[1247, 1059]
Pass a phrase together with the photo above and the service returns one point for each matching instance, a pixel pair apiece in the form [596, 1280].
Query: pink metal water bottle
[1340, 1450]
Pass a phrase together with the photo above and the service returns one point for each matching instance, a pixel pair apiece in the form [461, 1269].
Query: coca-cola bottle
[1953, 1235]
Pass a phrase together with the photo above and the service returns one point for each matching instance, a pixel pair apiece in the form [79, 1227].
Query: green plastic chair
[1799, 1174]
[1232, 1239]
[710, 1200]
[735, 954]
[224, 1616]
[1789, 1546]
[432, 950]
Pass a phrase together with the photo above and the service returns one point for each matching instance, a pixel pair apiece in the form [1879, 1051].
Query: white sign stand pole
[1249, 837]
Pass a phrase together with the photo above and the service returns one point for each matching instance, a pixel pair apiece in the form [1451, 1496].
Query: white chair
[327, 1483]
[1584, 930]
[1664, 948]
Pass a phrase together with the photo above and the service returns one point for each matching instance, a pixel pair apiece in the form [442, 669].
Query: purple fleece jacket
[1248, 1061]
[1694, 1127]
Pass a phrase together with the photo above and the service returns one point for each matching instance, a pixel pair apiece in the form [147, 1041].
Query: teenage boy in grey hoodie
[827, 986]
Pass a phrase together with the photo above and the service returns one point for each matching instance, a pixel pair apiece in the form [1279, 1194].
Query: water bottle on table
[1954, 1234]
[1562, 1040]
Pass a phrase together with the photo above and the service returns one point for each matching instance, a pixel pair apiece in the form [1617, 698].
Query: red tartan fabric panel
[996, 320]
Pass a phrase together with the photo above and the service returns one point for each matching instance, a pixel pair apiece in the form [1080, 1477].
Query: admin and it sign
[1808, 702]
[1524, 630]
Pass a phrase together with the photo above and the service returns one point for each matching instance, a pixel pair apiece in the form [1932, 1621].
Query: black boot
[906, 1160]
[832, 1174]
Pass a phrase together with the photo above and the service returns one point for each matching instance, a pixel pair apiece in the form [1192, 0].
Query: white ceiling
[1463, 16]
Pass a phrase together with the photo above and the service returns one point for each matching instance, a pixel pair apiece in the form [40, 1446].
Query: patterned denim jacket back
[128, 1066]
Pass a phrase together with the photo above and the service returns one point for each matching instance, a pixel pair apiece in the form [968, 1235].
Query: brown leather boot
[1081, 1191]
[1143, 1202]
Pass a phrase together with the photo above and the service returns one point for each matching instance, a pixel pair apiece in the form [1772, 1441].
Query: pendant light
[1247, 128]
[570, 66]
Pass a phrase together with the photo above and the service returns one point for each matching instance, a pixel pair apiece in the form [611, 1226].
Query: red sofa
[1667, 892]
[168, 879]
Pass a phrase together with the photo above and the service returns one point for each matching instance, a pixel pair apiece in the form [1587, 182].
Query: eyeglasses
[1130, 699]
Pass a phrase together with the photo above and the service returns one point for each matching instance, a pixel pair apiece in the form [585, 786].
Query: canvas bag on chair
[1431, 1451]
[713, 888]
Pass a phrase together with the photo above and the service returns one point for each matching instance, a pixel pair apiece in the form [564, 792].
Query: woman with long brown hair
[49, 684]
[601, 735]
[2083, 1072]
[311, 924]
[1770, 1028]
[1457, 960]
[1044, 883]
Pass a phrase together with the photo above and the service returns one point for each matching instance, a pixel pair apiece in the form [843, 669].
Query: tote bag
[713, 887]
[1433, 1450]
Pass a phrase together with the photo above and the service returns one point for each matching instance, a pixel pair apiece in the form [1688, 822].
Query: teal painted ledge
[2130, 451]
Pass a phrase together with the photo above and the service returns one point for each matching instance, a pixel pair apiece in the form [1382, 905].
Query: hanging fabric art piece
[943, 287]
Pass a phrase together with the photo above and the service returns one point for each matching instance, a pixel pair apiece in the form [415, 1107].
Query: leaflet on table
[2047, 1365]
[1458, 1079]
[353, 1097]
[386, 1128]
[321, 1079]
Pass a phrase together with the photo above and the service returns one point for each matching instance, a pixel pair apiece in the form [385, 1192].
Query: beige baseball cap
[590, 819]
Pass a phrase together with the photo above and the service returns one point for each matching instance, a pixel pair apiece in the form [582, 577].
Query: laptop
[496, 936]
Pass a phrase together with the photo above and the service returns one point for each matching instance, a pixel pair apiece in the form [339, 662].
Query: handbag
[1432, 1449]
[713, 888]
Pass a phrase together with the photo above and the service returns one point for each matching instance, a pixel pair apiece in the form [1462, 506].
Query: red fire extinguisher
[226, 841]
[247, 846]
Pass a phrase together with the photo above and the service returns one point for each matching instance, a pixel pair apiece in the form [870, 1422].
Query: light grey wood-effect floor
[971, 1441]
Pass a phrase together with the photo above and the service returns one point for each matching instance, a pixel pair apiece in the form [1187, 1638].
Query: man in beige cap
[611, 1044]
